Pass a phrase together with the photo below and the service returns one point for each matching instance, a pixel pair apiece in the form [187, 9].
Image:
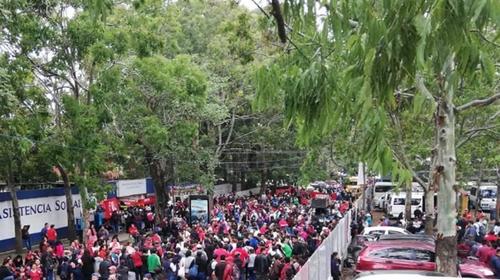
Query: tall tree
[353, 66]
[23, 119]
[62, 42]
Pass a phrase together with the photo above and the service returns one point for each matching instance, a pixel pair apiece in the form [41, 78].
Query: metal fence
[317, 266]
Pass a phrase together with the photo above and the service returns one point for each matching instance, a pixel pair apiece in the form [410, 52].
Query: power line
[162, 157]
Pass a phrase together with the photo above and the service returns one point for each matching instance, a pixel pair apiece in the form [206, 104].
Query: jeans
[50, 274]
[138, 273]
[493, 214]
[201, 276]
[27, 243]
[251, 274]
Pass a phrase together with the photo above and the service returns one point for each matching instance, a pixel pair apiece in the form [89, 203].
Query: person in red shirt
[35, 273]
[219, 252]
[480, 215]
[485, 252]
[103, 252]
[52, 235]
[491, 237]
[137, 260]
[467, 215]
[241, 252]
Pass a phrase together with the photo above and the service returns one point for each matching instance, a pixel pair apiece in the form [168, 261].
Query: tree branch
[261, 9]
[280, 22]
[479, 102]
[478, 129]
[481, 35]
[401, 156]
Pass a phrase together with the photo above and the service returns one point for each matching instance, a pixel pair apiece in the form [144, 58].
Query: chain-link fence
[317, 266]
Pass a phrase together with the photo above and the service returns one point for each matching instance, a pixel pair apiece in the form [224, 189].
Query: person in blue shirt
[495, 263]
[470, 231]
[44, 230]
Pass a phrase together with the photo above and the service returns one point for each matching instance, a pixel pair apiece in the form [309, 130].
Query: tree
[23, 117]
[363, 54]
[62, 42]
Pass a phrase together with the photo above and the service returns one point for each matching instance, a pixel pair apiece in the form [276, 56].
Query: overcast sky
[251, 6]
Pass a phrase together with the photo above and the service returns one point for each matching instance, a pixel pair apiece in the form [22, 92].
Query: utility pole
[362, 182]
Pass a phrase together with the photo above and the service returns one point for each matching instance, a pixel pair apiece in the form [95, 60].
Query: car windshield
[488, 194]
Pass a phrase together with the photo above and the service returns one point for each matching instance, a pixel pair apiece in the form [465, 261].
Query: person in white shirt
[496, 228]
[251, 264]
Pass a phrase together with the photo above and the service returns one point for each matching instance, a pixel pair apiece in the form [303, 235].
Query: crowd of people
[268, 236]
[479, 238]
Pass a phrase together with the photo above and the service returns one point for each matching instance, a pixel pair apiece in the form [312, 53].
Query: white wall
[35, 212]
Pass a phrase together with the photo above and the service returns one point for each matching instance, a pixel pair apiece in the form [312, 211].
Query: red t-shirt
[51, 234]
[243, 254]
[490, 237]
[136, 259]
[220, 252]
[485, 253]
[35, 274]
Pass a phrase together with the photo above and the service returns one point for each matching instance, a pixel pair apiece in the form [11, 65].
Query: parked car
[415, 237]
[397, 274]
[473, 268]
[411, 255]
[384, 230]
[404, 274]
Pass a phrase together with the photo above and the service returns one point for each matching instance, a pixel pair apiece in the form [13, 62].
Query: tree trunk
[408, 202]
[432, 186]
[16, 214]
[157, 171]
[70, 211]
[429, 211]
[263, 180]
[85, 211]
[478, 184]
[497, 208]
[446, 250]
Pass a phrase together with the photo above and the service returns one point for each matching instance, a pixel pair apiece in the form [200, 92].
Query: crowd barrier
[317, 266]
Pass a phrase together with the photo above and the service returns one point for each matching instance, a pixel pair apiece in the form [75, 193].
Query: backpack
[482, 230]
[193, 270]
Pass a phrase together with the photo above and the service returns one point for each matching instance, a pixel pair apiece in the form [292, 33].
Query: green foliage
[382, 52]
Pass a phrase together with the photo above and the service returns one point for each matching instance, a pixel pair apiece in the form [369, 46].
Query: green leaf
[488, 67]
[479, 5]
[418, 102]
[423, 26]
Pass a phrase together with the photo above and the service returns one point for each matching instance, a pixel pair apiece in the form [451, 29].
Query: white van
[379, 190]
[383, 201]
[396, 203]
[485, 195]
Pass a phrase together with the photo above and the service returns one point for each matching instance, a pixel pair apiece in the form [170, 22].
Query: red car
[410, 255]
[473, 268]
